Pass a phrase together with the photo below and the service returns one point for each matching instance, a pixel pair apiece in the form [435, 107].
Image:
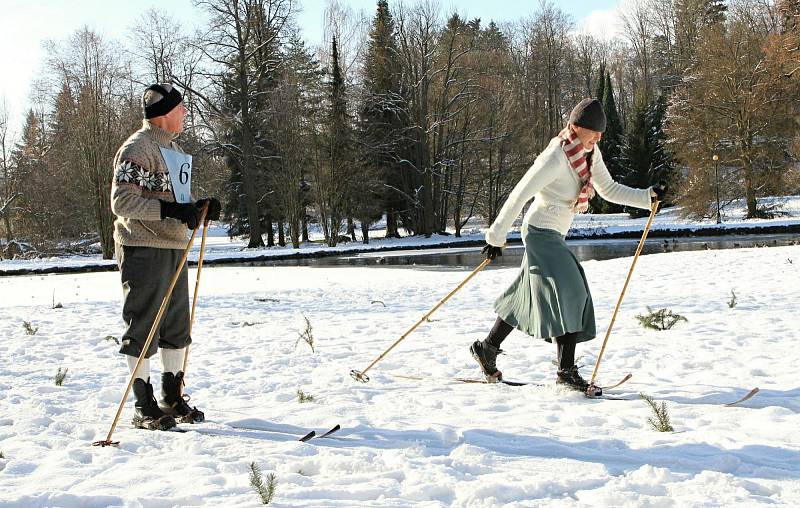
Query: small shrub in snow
[111, 337]
[29, 329]
[60, 376]
[56, 305]
[660, 419]
[306, 335]
[661, 319]
[304, 397]
[2, 456]
[732, 301]
[265, 492]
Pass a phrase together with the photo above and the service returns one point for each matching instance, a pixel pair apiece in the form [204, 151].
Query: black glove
[661, 190]
[214, 208]
[187, 213]
[491, 252]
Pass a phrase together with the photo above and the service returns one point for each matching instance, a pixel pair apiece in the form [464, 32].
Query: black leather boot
[175, 404]
[572, 379]
[486, 356]
[147, 414]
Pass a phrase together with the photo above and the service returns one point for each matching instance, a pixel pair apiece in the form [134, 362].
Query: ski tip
[747, 396]
[308, 436]
[334, 429]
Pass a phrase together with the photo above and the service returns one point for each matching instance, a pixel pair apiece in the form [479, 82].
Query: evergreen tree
[612, 137]
[334, 174]
[643, 159]
[609, 145]
[69, 221]
[31, 215]
[601, 83]
[235, 203]
[296, 103]
[380, 119]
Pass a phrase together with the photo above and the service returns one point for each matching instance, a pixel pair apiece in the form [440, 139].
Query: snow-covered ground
[220, 246]
[403, 442]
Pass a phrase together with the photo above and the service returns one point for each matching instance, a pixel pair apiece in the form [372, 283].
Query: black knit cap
[164, 105]
[589, 115]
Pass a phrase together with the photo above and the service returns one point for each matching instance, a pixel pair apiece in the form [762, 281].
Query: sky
[26, 24]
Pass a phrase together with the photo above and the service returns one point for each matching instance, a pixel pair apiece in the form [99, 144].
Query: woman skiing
[550, 298]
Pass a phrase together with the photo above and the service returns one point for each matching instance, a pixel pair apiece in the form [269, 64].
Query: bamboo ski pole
[164, 303]
[624, 287]
[194, 299]
[361, 375]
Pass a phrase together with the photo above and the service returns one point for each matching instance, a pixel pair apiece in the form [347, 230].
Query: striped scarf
[573, 148]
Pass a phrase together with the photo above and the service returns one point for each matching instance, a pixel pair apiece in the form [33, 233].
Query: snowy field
[407, 443]
[220, 246]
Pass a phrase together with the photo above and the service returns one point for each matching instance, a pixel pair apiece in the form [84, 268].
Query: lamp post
[716, 183]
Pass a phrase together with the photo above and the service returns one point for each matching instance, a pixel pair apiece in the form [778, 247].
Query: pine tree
[70, 221]
[609, 145]
[613, 135]
[380, 119]
[601, 83]
[643, 159]
[296, 109]
[31, 216]
[334, 174]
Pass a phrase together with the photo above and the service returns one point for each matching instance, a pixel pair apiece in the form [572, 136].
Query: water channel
[461, 258]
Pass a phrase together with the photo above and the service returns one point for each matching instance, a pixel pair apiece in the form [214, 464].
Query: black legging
[565, 344]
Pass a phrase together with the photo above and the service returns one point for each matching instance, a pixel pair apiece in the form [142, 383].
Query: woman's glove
[491, 252]
[660, 191]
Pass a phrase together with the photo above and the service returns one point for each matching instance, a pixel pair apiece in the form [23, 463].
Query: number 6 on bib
[180, 173]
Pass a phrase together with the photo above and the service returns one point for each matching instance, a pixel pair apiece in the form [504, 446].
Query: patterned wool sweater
[556, 186]
[141, 178]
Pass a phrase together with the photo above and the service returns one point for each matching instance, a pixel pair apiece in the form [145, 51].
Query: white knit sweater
[555, 185]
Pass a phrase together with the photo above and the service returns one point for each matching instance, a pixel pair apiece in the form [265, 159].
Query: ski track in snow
[409, 443]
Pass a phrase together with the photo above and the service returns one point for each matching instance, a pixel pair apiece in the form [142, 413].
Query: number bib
[180, 173]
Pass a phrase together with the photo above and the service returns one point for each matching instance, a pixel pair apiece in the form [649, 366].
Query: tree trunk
[270, 231]
[750, 195]
[391, 224]
[457, 220]
[9, 234]
[281, 234]
[365, 232]
[250, 193]
[351, 228]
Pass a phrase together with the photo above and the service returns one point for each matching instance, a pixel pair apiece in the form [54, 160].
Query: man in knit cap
[150, 235]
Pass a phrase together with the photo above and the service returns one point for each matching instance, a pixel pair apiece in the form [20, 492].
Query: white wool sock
[144, 368]
[172, 359]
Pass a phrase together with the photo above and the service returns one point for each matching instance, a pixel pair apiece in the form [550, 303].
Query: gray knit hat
[589, 115]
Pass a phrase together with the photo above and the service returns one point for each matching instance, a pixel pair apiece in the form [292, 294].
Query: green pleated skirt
[550, 297]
